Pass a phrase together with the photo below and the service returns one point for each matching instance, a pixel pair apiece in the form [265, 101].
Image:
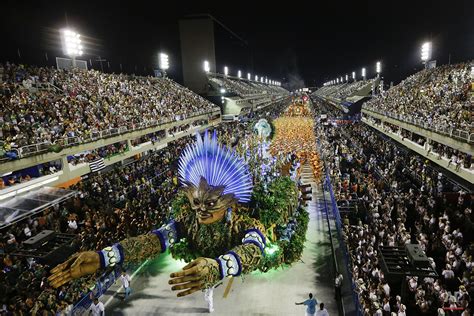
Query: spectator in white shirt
[27, 231]
[322, 311]
[125, 279]
[97, 308]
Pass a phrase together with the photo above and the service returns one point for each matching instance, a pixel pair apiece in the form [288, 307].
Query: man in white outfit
[97, 308]
[322, 311]
[125, 279]
[209, 297]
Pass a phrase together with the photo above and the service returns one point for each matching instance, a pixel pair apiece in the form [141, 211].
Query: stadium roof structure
[33, 202]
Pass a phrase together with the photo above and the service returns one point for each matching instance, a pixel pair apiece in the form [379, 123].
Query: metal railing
[95, 135]
[100, 287]
[451, 132]
[347, 259]
[327, 188]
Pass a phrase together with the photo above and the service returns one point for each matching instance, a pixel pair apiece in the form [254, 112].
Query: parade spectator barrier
[327, 187]
[104, 282]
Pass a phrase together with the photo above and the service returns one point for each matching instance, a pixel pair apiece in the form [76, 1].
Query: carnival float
[239, 210]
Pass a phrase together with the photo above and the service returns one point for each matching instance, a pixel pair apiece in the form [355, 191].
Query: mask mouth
[204, 215]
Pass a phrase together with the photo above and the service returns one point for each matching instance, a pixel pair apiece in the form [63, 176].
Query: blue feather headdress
[218, 165]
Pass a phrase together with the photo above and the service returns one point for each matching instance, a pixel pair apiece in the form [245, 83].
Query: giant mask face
[209, 202]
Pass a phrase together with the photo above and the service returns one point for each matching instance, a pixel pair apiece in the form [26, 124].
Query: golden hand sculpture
[78, 265]
[199, 274]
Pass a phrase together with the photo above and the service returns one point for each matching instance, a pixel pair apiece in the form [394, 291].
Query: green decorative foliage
[275, 205]
[293, 250]
[56, 148]
[182, 250]
[272, 134]
[179, 206]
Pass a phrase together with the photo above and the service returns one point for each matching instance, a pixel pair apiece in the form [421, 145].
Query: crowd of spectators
[102, 152]
[245, 88]
[47, 105]
[152, 137]
[108, 207]
[439, 97]
[25, 175]
[343, 90]
[400, 200]
[455, 158]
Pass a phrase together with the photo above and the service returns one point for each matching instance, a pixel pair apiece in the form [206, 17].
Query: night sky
[311, 41]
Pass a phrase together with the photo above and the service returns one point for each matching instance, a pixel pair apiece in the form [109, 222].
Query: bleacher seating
[49, 106]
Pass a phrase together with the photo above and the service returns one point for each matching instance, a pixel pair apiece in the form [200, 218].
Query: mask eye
[196, 201]
[211, 203]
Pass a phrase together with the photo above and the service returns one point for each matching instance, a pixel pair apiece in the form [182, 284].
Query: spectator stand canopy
[33, 202]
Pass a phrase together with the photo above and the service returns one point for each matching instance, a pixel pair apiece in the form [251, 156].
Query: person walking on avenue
[209, 298]
[322, 311]
[338, 286]
[311, 303]
[125, 279]
[97, 308]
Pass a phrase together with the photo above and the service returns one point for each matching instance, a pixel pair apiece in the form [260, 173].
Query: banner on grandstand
[97, 165]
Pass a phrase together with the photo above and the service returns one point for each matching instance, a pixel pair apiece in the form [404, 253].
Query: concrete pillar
[66, 176]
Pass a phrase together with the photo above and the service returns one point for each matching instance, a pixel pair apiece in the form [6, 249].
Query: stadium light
[163, 62]
[226, 71]
[353, 75]
[256, 78]
[347, 77]
[72, 46]
[239, 74]
[249, 76]
[337, 80]
[342, 80]
[207, 67]
[261, 79]
[378, 67]
[426, 52]
[363, 73]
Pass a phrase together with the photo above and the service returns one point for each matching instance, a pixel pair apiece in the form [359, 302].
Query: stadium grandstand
[241, 96]
[145, 181]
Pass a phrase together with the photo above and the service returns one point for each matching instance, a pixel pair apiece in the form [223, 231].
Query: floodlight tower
[163, 63]
[354, 75]
[378, 68]
[363, 73]
[239, 74]
[207, 66]
[249, 76]
[72, 46]
[426, 50]
[226, 71]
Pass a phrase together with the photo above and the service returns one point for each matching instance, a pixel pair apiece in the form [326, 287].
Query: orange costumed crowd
[295, 135]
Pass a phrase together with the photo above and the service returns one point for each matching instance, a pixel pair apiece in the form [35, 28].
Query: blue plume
[218, 165]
